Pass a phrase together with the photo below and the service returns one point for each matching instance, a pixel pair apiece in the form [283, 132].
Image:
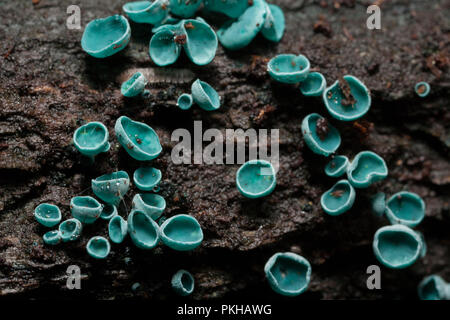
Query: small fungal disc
[182, 232]
[205, 96]
[366, 169]
[405, 208]
[98, 247]
[201, 42]
[134, 86]
[314, 85]
[289, 68]
[320, 136]
[433, 288]
[256, 178]
[146, 178]
[274, 24]
[152, 12]
[338, 199]
[185, 101]
[117, 229]
[422, 89]
[143, 230]
[163, 48]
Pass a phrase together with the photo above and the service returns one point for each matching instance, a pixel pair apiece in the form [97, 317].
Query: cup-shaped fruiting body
[183, 283]
[288, 273]
[398, 246]
[230, 8]
[379, 204]
[237, 34]
[152, 12]
[47, 214]
[52, 237]
[70, 229]
[320, 136]
[405, 208]
[108, 212]
[185, 101]
[143, 230]
[347, 101]
[314, 85]
[104, 37]
[138, 139]
[86, 209]
[164, 50]
[147, 178]
[205, 96]
[111, 187]
[181, 232]
[338, 199]
[134, 86]
[365, 169]
[433, 288]
[98, 247]
[151, 204]
[422, 89]
[274, 24]
[117, 229]
[184, 8]
[91, 139]
[256, 179]
[337, 166]
[288, 68]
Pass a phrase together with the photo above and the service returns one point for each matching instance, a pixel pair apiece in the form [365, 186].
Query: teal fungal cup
[147, 178]
[111, 187]
[365, 169]
[151, 204]
[104, 37]
[98, 247]
[152, 12]
[289, 68]
[143, 230]
[47, 214]
[185, 101]
[288, 273]
[337, 166]
[274, 24]
[184, 8]
[183, 283]
[86, 209]
[117, 229]
[333, 98]
[163, 48]
[338, 199]
[314, 85]
[134, 86]
[422, 89]
[398, 246]
[138, 139]
[181, 232]
[52, 237]
[256, 179]
[405, 208]
[434, 288]
[379, 204]
[70, 230]
[231, 8]
[91, 139]
[109, 211]
[320, 136]
[205, 96]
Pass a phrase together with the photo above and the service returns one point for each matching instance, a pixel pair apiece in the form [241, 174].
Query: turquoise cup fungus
[350, 108]
[109, 211]
[147, 178]
[91, 139]
[337, 166]
[181, 232]
[152, 12]
[185, 101]
[98, 247]
[111, 187]
[314, 85]
[143, 230]
[52, 237]
[104, 37]
[405, 208]
[338, 199]
[274, 24]
[256, 179]
[138, 139]
[151, 204]
[205, 96]
[70, 229]
[134, 86]
[378, 204]
[320, 136]
[231, 8]
[288, 273]
[117, 229]
[398, 246]
[422, 89]
[164, 50]
[289, 68]
[47, 214]
[433, 288]
[365, 169]
[85, 209]
[183, 283]
[184, 8]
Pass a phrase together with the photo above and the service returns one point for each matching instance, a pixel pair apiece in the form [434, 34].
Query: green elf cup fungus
[147, 178]
[98, 247]
[47, 214]
[111, 187]
[152, 12]
[205, 96]
[70, 229]
[337, 166]
[183, 283]
[289, 68]
[379, 204]
[143, 230]
[185, 101]
[320, 136]
[256, 179]
[134, 86]
[288, 273]
[348, 100]
[151, 204]
[181, 232]
[338, 199]
[274, 24]
[422, 89]
[398, 246]
[52, 237]
[184, 8]
[434, 288]
[138, 139]
[164, 50]
[314, 85]
[405, 208]
[91, 139]
[231, 8]
[86, 209]
[365, 169]
[117, 229]
[109, 211]
[104, 37]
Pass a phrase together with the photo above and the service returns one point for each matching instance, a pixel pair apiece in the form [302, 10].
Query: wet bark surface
[49, 87]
